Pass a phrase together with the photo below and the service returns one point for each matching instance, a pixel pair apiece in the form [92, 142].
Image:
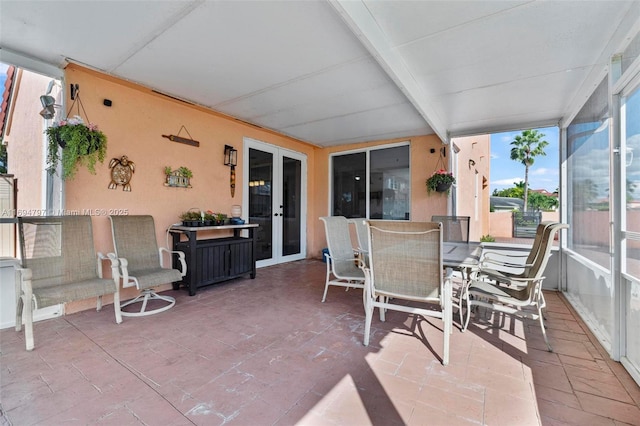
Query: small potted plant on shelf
[220, 218]
[440, 181]
[191, 218]
[81, 144]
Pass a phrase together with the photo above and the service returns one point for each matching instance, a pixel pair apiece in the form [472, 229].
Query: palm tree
[526, 147]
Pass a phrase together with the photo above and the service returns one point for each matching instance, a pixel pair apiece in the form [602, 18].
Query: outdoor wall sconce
[231, 160]
[48, 107]
[48, 103]
[230, 156]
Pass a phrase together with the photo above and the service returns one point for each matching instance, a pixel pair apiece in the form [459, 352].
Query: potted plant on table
[440, 181]
[81, 144]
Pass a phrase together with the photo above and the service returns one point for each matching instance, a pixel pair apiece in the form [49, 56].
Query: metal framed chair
[58, 265]
[503, 266]
[141, 262]
[342, 268]
[406, 265]
[363, 238]
[455, 229]
[521, 293]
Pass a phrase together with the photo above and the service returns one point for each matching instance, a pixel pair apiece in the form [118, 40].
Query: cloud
[494, 156]
[544, 171]
[508, 181]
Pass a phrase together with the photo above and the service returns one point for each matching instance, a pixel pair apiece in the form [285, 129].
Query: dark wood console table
[215, 259]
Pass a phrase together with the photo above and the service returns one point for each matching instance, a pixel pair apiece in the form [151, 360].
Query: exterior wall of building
[134, 125]
[472, 179]
[502, 223]
[25, 138]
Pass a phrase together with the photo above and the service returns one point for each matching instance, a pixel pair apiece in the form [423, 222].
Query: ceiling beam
[358, 18]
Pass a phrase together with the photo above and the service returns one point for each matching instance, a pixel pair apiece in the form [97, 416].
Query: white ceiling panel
[335, 72]
[245, 47]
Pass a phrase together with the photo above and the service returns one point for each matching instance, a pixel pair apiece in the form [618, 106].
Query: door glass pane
[390, 189]
[291, 196]
[631, 145]
[349, 185]
[260, 200]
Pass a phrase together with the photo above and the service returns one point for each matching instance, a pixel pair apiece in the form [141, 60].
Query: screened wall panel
[589, 282]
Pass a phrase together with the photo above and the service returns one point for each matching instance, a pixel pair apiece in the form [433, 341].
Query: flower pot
[443, 187]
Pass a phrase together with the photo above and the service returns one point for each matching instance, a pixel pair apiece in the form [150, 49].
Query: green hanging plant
[81, 144]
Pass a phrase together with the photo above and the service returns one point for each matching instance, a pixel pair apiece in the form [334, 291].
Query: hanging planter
[72, 142]
[443, 187]
[441, 180]
[81, 144]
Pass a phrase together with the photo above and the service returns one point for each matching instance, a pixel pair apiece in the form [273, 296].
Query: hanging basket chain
[78, 106]
[440, 163]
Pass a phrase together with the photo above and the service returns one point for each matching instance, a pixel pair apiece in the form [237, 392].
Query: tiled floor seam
[607, 359]
[135, 373]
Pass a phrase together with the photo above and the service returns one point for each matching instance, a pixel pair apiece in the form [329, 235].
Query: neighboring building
[506, 204]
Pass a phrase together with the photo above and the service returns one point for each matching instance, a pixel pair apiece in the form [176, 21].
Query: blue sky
[544, 173]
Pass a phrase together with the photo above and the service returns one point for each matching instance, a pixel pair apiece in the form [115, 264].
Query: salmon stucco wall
[134, 126]
[423, 163]
[472, 182]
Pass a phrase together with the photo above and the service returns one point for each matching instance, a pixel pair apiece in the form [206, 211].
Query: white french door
[275, 198]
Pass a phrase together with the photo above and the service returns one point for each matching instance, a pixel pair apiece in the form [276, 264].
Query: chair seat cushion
[50, 295]
[148, 278]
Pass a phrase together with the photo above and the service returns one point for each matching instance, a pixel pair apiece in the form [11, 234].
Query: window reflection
[389, 191]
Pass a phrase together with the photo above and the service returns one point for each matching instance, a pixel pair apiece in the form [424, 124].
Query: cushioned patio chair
[59, 265]
[342, 264]
[406, 265]
[142, 262]
[523, 292]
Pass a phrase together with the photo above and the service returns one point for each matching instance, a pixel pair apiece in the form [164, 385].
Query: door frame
[278, 153]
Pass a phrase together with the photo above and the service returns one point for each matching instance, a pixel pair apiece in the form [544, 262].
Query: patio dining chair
[142, 262]
[406, 269]
[524, 291]
[455, 229]
[502, 266]
[342, 264]
[363, 238]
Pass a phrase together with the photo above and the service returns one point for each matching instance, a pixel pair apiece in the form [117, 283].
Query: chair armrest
[121, 269]
[114, 264]
[504, 264]
[23, 284]
[501, 256]
[181, 259]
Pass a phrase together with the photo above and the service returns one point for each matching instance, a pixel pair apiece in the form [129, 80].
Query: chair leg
[28, 324]
[326, 282]
[116, 307]
[382, 309]
[544, 331]
[144, 298]
[447, 317]
[367, 320]
[19, 306]
[468, 301]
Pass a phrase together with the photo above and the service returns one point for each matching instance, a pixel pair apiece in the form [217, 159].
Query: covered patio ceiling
[336, 72]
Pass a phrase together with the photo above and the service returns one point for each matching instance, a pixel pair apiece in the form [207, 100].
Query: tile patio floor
[268, 352]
